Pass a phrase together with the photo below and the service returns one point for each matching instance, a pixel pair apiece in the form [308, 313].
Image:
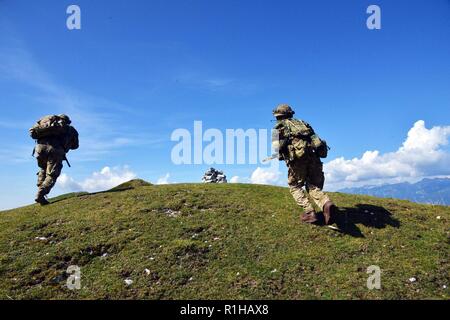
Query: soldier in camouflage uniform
[54, 138]
[301, 149]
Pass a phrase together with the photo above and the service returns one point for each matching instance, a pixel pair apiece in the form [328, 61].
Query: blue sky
[137, 70]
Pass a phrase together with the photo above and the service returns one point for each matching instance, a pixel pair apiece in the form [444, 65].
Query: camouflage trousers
[49, 160]
[307, 173]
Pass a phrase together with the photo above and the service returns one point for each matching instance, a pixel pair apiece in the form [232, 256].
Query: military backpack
[301, 139]
[48, 126]
[55, 126]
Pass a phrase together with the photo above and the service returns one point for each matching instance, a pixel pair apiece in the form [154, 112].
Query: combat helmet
[65, 118]
[283, 110]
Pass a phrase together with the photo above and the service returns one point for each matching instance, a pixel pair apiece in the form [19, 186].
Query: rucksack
[319, 146]
[55, 127]
[70, 141]
[302, 139]
[48, 126]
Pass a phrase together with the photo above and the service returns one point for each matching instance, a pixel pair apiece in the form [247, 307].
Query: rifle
[274, 156]
[65, 159]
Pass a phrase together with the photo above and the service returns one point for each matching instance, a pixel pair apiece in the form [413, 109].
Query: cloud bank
[266, 176]
[235, 179]
[164, 179]
[269, 175]
[105, 179]
[422, 154]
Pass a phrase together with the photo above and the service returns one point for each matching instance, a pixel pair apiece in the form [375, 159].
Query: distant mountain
[432, 191]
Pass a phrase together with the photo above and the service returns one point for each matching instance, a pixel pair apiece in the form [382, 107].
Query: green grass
[132, 184]
[67, 196]
[227, 241]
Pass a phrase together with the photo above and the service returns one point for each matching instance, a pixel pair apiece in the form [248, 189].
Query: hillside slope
[204, 241]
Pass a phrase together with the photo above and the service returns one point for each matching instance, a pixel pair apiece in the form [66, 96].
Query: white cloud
[235, 179]
[266, 176]
[66, 183]
[164, 179]
[422, 154]
[105, 179]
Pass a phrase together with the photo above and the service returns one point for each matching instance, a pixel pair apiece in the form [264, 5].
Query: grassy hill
[197, 241]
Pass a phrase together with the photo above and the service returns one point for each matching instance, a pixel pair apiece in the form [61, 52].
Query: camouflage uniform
[305, 174]
[49, 159]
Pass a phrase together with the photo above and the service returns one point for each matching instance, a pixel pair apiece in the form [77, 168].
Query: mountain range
[430, 191]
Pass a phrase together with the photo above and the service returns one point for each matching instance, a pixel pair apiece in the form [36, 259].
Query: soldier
[302, 149]
[54, 138]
